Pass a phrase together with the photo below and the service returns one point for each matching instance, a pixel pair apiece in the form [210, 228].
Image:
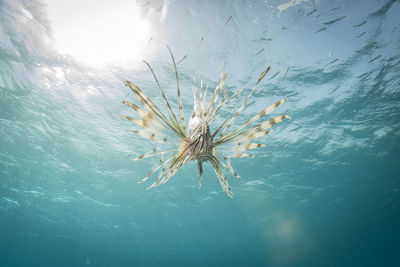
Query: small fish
[335, 8]
[151, 39]
[265, 39]
[333, 61]
[145, 4]
[333, 21]
[320, 30]
[375, 58]
[361, 34]
[362, 23]
[330, 54]
[259, 52]
[334, 90]
[158, 10]
[286, 71]
[340, 112]
[362, 75]
[284, 28]
[230, 17]
[284, 144]
[276, 74]
[184, 57]
[294, 94]
[201, 41]
[295, 129]
[312, 12]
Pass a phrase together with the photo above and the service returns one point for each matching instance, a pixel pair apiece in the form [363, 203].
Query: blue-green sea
[324, 191]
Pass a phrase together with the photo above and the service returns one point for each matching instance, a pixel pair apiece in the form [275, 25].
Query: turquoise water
[325, 191]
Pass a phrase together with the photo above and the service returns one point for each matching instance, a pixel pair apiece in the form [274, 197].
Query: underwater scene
[199, 133]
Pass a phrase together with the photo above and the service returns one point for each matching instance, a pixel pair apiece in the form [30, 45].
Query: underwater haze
[324, 191]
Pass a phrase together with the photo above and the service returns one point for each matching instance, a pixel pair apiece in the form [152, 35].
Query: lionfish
[197, 141]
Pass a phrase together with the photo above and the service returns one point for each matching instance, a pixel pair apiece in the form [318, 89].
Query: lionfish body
[197, 142]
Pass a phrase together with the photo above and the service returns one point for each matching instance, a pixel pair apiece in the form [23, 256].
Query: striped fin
[217, 92]
[247, 99]
[138, 122]
[268, 123]
[212, 102]
[218, 89]
[201, 94]
[181, 114]
[259, 115]
[242, 155]
[249, 133]
[244, 142]
[221, 176]
[261, 133]
[171, 113]
[146, 134]
[155, 169]
[230, 168]
[153, 153]
[142, 113]
[210, 116]
[200, 172]
[148, 122]
[179, 160]
[195, 98]
[173, 171]
[151, 129]
[205, 94]
[145, 100]
[219, 128]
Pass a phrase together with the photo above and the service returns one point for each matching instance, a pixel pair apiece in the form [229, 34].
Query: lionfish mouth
[179, 145]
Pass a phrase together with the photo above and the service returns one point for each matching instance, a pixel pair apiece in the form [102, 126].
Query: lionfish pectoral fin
[162, 164]
[200, 172]
[152, 109]
[239, 110]
[230, 168]
[221, 176]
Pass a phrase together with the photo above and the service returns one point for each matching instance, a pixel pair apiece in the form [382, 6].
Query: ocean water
[325, 191]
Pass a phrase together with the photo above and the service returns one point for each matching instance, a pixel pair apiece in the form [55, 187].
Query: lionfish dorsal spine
[172, 116]
[180, 105]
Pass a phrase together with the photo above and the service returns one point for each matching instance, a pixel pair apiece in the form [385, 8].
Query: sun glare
[98, 32]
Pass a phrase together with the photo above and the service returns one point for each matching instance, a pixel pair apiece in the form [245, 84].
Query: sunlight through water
[98, 32]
